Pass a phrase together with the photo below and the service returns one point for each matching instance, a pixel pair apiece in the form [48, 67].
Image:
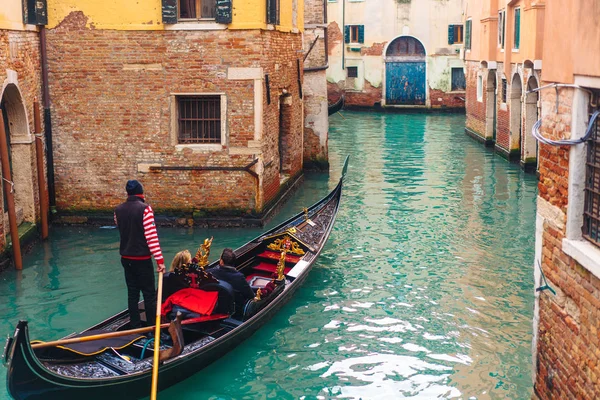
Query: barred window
[199, 119]
[591, 213]
[273, 11]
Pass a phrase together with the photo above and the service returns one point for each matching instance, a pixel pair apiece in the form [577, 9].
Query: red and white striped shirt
[151, 235]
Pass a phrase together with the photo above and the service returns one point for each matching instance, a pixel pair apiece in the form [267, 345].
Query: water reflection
[423, 290]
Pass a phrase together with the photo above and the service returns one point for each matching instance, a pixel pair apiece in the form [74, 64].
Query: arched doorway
[405, 72]
[516, 90]
[530, 145]
[491, 106]
[20, 152]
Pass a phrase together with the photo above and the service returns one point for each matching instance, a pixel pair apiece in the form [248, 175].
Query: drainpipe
[39, 150]
[10, 198]
[47, 119]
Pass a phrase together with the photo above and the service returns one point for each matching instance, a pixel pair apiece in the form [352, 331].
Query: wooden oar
[108, 335]
[157, 338]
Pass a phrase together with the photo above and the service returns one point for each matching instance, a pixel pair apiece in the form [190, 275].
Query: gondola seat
[268, 267]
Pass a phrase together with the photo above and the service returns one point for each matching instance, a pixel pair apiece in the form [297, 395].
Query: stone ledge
[585, 253]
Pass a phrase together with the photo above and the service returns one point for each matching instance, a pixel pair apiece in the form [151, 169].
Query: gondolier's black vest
[130, 216]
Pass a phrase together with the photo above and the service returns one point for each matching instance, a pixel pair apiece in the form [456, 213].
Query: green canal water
[423, 291]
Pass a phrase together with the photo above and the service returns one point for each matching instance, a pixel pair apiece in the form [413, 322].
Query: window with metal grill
[591, 211]
[199, 119]
[504, 89]
[197, 9]
[352, 72]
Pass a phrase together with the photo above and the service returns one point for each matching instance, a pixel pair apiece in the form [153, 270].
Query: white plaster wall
[384, 20]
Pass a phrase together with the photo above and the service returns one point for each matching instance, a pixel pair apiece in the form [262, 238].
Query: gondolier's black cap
[134, 187]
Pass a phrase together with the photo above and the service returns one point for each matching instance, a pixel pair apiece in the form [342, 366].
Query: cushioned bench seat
[275, 255]
[268, 267]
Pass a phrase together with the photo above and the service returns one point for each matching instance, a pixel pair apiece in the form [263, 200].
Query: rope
[564, 142]
[12, 185]
[145, 346]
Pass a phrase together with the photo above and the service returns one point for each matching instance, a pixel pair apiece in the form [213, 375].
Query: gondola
[335, 107]
[280, 258]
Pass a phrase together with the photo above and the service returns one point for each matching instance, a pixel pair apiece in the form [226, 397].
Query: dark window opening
[197, 9]
[273, 12]
[458, 79]
[591, 211]
[199, 119]
[354, 34]
[405, 46]
[504, 90]
[352, 72]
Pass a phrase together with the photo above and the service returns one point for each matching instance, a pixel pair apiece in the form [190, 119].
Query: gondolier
[139, 241]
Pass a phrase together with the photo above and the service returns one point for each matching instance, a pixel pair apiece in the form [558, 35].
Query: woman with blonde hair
[180, 259]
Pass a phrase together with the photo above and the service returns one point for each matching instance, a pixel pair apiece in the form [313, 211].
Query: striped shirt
[151, 235]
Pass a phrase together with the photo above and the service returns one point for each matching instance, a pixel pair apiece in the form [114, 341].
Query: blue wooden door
[405, 83]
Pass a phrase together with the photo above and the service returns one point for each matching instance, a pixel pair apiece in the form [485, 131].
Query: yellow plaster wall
[11, 15]
[147, 14]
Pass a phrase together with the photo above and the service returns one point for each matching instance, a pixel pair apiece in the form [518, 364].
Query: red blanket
[195, 300]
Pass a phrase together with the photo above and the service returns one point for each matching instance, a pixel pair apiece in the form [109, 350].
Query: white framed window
[199, 120]
[480, 88]
[517, 35]
[582, 242]
[194, 10]
[501, 26]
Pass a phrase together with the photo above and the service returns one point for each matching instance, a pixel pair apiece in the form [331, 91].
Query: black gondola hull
[29, 378]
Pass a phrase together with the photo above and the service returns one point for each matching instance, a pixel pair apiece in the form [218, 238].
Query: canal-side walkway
[424, 290]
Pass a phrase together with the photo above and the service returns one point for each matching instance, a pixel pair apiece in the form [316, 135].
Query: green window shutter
[361, 34]
[517, 28]
[347, 34]
[223, 14]
[468, 35]
[35, 12]
[169, 11]
[450, 34]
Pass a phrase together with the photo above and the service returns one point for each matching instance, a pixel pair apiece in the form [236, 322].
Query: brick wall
[475, 110]
[111, 104]
[19, 54]
[568, 340]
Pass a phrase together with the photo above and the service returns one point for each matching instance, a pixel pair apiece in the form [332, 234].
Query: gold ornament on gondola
[258, 293]
[286, 244]
[203, 252]
[281, 267]
[305, 213]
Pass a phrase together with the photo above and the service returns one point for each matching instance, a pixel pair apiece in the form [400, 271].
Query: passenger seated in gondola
[226, 272]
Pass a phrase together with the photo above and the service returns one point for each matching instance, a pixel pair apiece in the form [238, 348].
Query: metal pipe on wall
[39, 150]
[10, 198]
[47, 118]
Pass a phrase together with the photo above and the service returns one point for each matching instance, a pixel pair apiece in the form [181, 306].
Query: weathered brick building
[202, 103]
[20, 84]
[396, 53]
[567, 324]
[503, 52]
[316, 118]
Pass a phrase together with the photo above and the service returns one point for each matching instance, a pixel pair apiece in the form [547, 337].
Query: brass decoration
[292, 230]
[305, 213]
[203, 253]
[286, 244]
[258, 293]
[281, 266]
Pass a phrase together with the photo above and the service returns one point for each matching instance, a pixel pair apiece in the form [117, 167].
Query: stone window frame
[480, 87]
[501, 29]
[174, 131]
[516, 45]
[574, 244]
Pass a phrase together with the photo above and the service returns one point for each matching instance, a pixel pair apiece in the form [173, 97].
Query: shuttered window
[455, 34]
[591, 213]
[174, 11]
[354, 34]
[468, 34]
[517, 28]
[501, 22]
[273, 12]
[199, 119]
